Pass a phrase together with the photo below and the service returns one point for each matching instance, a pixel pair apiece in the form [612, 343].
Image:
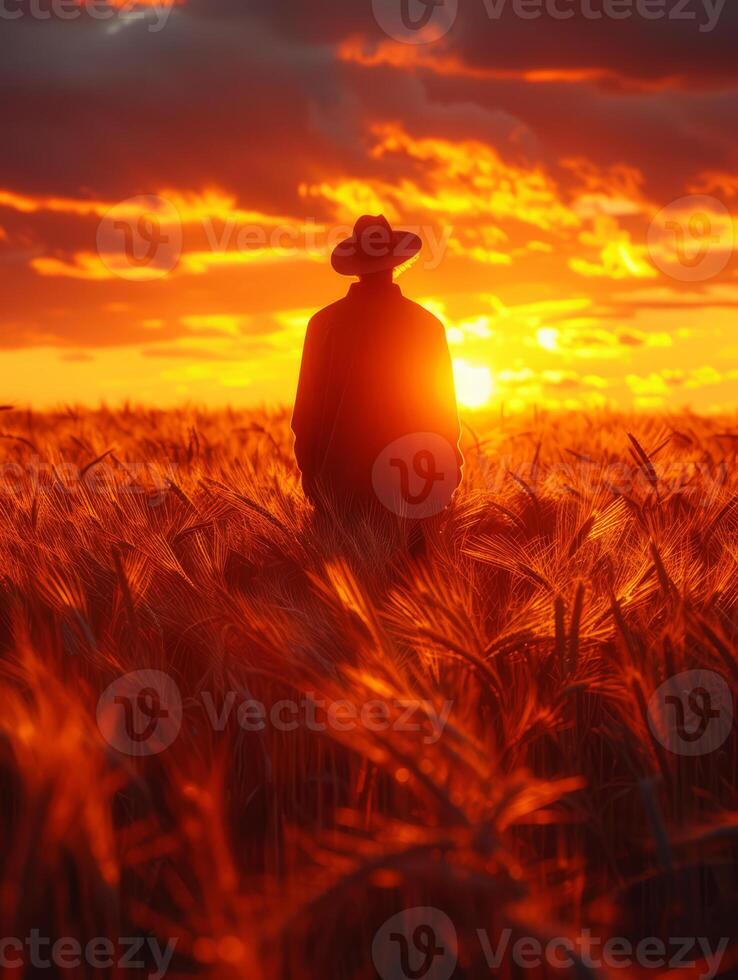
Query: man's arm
[308, 400]
[445, 410]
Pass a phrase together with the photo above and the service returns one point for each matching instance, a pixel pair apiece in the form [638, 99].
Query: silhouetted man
[375, 416]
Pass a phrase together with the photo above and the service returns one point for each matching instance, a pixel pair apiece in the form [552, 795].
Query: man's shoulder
[347, 306]
[417, 307]
[329, 313]
[422, 316]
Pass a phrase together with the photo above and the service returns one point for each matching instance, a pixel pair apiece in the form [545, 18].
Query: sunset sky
[531, 155]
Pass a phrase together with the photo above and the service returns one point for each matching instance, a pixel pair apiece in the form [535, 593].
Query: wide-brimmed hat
[374, 247]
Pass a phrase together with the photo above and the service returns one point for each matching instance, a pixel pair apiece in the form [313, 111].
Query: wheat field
[511, 778]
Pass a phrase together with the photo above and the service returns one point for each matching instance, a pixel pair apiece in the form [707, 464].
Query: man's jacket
[375, 368]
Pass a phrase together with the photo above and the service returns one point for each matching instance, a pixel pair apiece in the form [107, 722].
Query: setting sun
[474, 384]
[548, 338]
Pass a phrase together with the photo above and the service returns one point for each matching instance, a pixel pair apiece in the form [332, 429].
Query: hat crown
[369, 222]
[372, 232]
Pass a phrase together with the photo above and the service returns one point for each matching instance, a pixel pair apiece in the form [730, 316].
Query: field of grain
[511, 776]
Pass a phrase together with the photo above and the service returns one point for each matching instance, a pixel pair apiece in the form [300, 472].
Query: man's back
[375, 368]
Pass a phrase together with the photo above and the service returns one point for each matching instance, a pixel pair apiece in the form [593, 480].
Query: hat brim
[348, 260]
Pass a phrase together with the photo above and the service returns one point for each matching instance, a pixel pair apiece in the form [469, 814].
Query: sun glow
[474, 384]
[548, 338]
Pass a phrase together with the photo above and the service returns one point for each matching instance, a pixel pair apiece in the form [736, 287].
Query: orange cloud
[715, 182]
[615, 190]
[406, 57]
[89, 266]
[460, 181]
[84, 265]
[57, 205]
[193, 208]
[619, 257]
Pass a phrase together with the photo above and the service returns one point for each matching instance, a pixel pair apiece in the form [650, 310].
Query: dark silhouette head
[374, 250]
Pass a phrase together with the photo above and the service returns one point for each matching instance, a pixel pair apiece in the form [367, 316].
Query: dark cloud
[634, 48]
